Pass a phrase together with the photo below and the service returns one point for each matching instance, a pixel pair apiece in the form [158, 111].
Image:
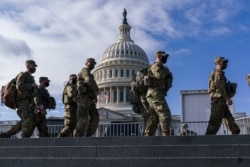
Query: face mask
[46, 84]
[32, 70]
[73, 81]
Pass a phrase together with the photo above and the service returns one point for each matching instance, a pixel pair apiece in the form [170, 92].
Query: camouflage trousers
[159, 112]
[220, 111]
[41, 124]
[27, 118]
[14, 129]
[69, 121]
[93, 119]
[83, 104]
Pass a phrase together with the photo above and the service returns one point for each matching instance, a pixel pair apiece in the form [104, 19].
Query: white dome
[118, 64]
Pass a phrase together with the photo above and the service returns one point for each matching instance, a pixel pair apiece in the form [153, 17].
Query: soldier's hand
[229, 101]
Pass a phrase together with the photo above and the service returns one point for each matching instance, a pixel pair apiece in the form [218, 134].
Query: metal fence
[136, 128]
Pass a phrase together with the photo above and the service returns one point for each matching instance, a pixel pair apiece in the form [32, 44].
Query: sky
[60, 35]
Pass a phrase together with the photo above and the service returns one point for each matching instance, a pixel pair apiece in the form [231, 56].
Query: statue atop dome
[125, 17]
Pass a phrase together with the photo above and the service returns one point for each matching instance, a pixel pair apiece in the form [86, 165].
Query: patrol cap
[31, 62]
[41, 79]
[218, 59]
[73, 76]
[91, 60]
[161, 53]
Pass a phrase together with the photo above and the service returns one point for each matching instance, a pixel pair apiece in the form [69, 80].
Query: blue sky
[60, 35]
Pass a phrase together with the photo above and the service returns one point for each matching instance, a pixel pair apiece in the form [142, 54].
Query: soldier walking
[42, 103]
[221, 93]
[26, 91]
[86, 103]
[69, 99]
[159, 81]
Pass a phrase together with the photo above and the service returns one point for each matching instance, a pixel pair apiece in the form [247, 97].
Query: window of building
[127, 73]
[114, 96]
[121, 96]
[121, 73]
[116, 73]
[133, 72]
[110, 73]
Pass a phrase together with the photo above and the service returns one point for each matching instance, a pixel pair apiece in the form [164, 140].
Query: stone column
[117, 95]
[110, 95]
[124, 94]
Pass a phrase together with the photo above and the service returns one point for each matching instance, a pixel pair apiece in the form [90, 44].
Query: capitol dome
[118, 65]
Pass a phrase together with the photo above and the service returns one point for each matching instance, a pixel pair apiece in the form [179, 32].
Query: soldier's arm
[221, 84]
[71, 91]
[20, 83]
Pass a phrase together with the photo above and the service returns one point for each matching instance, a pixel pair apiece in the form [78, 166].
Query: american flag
[106, 96]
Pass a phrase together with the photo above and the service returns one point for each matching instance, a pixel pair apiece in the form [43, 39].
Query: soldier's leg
[216, 116]
[12, 131]
[93, 121]
[161, 108]
[151, 124]
[230, 122]
[27, 118]
[69, 121]
[42, 126]
[82, 117]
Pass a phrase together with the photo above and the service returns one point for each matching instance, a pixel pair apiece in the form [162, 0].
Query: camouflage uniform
[145, 111]
[86, 103]
[43, 99]
[70, 108]
[160, 80]
[25, 95]
[14, 129]
[219, 107]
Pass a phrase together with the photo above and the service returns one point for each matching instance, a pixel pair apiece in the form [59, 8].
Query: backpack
[138, 85]
[9, 94]
[52, 103]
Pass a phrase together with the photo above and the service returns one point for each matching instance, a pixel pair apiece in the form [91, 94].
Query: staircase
[173, 151]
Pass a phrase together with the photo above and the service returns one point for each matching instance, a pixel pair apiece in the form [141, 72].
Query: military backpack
[9, 94]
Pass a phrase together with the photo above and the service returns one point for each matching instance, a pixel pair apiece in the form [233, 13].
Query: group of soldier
[154, 108]
[81, 117]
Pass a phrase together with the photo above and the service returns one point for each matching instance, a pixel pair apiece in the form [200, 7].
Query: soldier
[221, 93]
[69, 99]
[186, 132]
[86, 103]
[159, 80]
[26, 91]
[42, 102]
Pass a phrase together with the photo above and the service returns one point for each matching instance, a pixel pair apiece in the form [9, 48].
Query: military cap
[218, 59]
[31, 62]
[73, 76]
[41, 79]
[91, 60]
[162, 53]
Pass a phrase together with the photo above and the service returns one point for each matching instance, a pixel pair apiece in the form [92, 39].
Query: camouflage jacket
[89, 81]
[161, 78]
[217, 84]
[69, 94]
[43, 98]
[24, 86]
